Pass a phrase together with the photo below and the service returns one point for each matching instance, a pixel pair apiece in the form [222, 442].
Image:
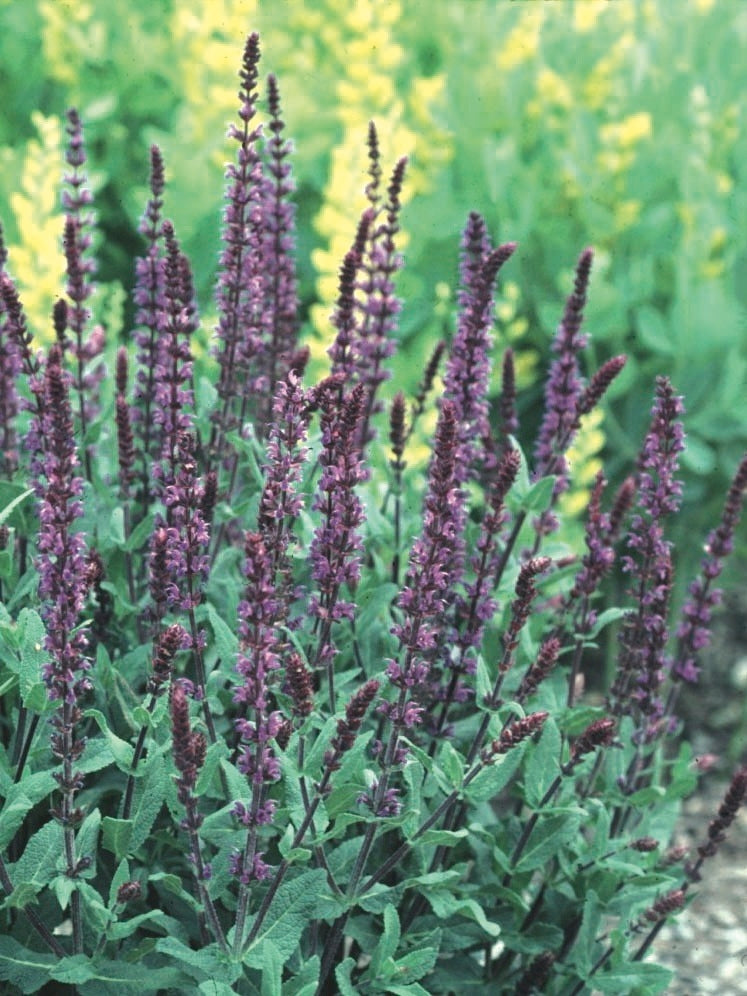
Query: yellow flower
[70, 33]
[627, 133]
[363, 51]
[627, 213]
[36, 260]
[583, 463]
[586, 12]
[553, 90]
[523, 41]
[606, 74]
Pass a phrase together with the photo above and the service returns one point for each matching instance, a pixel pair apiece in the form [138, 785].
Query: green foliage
[455, 855]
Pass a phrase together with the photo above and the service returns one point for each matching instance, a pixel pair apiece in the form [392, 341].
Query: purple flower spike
[693, 633]
[11, 364]
[149, 300]
[645, 633]
[241, 288]
[468, 370]
[62, 562]
[379, 304]
[77, 239]
[336, 546]
[173, 372]
[187, 532]
[279, 241]
[563, 390]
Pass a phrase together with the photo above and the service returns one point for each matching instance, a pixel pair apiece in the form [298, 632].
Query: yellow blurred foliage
[36, 261]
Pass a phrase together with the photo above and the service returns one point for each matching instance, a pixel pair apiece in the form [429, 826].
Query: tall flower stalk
[77, 239]
[62, 588]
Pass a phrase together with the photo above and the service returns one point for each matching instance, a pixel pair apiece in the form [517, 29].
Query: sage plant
[281, 712]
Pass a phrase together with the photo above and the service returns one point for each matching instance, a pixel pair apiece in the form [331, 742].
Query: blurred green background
[612, 123]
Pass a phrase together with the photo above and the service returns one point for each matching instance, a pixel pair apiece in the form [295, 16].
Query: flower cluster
[645, 633]
[62, 561]
[693, 633]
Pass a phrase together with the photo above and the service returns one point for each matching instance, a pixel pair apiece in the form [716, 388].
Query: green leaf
[87, 838]
[213, 988]
[583, 947]
[627, 979]
[121, 751]
[414, 965]
[32, 656]
[446, 905]
[226, 641]
[538, 497]
[547, 838]
[288, 917]
[20, 798]
[443, 838]
[272, 970]
[198, 964]
[543, 763]
[653, 331]
[452, 765]
[389, 941]
[121, 875]
[215, 754]
[116, 836]
[37, 866]
[306, 981]
[28, 970]
[149, 798]
[18, 500]
[494, 778]
[342, 974]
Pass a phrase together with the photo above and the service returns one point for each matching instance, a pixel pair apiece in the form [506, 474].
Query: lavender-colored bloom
[16, 330]
[429, 583]
[479, 606]
[125, 446]
[279, 241]
[241, 289]
[187, 534]
[562, 393]
[563, 386]
[280, 503]
[62, 562]
[600, 534]
[427, 586]
[336, 545]
[149, 300]
[349, 727]
[735, 797]
[256, 663]
[513, 735]
[77, 240]
[173, 371]
[344, 318]
[539, 670]
[644, 634]
[468, 370]
[11, 365]
[509, 418]
[158, 572]
[693, 633]
[170, 641]
[189, 749]
[379, 305]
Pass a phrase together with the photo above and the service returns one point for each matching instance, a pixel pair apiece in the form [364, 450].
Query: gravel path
[707, 944]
